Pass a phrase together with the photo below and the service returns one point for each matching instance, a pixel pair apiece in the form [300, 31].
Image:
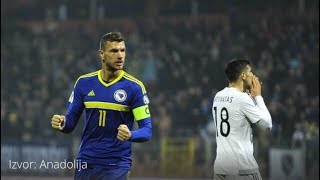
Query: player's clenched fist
[123, 132]
[57, 121]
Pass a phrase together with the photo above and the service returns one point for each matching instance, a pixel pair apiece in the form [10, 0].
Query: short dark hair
[235, 67]
[110, 36]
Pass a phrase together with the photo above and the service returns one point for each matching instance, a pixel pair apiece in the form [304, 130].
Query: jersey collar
[112, 82]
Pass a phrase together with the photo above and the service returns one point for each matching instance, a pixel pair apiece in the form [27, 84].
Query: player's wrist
[62, 125]
[255, 94]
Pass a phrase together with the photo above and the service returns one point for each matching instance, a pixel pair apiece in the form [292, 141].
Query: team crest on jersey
[120, 95]
[146, 99]
[71, 97]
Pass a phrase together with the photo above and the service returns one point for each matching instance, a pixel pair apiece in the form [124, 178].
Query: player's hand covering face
[113, 57]
[256, 87]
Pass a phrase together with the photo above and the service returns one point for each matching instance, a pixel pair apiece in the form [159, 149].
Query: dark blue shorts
[101, 174]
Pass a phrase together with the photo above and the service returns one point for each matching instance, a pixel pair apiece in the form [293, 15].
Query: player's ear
[100, 52]
[243, 75]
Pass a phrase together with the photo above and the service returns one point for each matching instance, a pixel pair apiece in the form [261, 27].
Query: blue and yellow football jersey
[107, 105]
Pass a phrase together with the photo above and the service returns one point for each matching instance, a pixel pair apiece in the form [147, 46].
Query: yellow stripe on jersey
[131, 78]
[114, 81]
[106, 105]
[141, 112]
[86, 75]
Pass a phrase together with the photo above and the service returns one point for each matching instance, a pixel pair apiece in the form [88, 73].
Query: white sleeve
[256, 111]
[266, 120]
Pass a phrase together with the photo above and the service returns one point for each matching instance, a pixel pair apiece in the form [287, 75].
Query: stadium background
[178, 49]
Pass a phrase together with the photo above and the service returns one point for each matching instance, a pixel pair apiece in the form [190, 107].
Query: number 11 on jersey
[102, 117]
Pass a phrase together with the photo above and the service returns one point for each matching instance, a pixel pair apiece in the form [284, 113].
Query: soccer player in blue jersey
[112, 100]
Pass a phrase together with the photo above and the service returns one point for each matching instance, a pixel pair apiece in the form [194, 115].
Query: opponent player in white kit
[234, 109]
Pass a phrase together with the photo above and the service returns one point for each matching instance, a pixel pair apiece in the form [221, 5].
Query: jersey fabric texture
[106, 106]
[254, 176]
[101, 174]
[234, 112]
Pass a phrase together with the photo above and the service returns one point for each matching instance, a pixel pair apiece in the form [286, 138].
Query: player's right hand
[256, 87]
[58, 121]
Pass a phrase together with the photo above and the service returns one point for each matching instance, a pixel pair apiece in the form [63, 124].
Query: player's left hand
[123, 132]
[256, 87]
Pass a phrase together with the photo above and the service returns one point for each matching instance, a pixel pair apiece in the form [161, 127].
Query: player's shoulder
[134, 82]
[244, 99]
[131, 78]
[235, 94]
[87, 76]
[224, 92]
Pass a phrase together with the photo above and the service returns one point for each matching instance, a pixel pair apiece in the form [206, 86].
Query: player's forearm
[266, 120]
[144, 132]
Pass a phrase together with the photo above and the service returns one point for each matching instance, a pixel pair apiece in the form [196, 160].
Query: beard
[247, 86]
[113, 68]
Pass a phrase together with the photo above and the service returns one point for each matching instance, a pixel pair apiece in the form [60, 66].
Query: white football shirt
[233, 112]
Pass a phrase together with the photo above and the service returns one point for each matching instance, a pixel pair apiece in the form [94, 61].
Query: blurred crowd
[180, 59]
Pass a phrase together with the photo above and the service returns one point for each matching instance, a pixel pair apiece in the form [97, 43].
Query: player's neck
[237, 86]
[109, 76]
